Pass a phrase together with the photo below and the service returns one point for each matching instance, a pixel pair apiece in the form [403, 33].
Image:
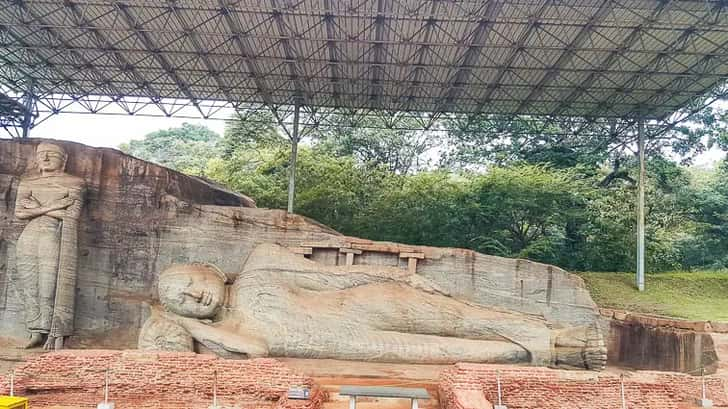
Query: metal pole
[214, 392]
[106, 387]
[641, 208]
[294, 157]
[12, 383]
[28, 116]
[621, 390]
[497, 376]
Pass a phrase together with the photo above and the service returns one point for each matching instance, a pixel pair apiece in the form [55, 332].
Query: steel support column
[641, 208]
[294, 157]
[29, 106]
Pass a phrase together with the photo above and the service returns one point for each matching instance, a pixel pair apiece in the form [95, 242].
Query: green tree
[425, 208]
[256, 131]
[504, 140]
[373, 142]
[523, 210]
[187, 148]
[332, 190]
[609, 228]
[709, 204]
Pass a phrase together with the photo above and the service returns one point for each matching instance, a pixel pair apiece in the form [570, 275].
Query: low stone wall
[471, 386]
[658, 343]
[158, 380]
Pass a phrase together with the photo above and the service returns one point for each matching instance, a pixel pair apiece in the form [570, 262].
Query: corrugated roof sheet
[590, 58]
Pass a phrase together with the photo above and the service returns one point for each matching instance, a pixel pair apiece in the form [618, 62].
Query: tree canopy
[498, 189]
[187, 148]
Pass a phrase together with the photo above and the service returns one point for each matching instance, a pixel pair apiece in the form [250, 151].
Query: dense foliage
[567, 202]
[187, 148]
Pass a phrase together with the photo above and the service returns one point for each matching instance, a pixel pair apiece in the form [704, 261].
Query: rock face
[47, 249]
[139, 218]
[120, 236]
[284, 305]
[648, 342]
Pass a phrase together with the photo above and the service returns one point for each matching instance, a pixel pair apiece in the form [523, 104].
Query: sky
[112, 130]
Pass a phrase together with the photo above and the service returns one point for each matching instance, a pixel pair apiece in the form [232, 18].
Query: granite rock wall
[139, 218]
[648, 342]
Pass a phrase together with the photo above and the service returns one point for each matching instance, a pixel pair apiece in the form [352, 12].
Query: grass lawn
[696, 296]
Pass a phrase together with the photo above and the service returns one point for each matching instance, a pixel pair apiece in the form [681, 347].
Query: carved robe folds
[47, 249]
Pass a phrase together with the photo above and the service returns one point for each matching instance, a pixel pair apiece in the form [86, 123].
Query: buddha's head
[192, 290]
[50, 157]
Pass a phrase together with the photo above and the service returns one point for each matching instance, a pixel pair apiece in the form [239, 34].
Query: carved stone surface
[286, 306]
[127, 223]
[47, 249]
[138, 219]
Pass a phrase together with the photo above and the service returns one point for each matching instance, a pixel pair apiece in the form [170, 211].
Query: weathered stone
[138, 218]
[639, 343]
[47, 249]
[281, 305]
[621, 315]
[720, 327]
[606, 312]
[122, 230]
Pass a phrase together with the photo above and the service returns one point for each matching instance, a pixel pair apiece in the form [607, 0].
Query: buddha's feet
[582, 347]
[595, 350]
[36, 340]
[53, 343]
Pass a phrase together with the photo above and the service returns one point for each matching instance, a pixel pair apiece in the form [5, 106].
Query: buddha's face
[50, 160]
[192, 290]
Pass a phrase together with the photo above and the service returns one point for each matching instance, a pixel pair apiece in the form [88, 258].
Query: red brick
[158, 380]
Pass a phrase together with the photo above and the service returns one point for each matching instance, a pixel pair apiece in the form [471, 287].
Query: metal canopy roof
[590, 58]
[12, 113]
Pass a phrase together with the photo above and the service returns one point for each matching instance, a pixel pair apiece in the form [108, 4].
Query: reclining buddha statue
[283, 305]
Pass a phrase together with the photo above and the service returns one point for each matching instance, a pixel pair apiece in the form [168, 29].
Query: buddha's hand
[30, 203]
[61, 204]
[203, 297]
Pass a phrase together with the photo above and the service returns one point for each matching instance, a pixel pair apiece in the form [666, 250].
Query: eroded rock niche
[646, 342]
[137, 219]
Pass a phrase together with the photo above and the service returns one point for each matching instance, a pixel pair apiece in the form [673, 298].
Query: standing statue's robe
[47, 256]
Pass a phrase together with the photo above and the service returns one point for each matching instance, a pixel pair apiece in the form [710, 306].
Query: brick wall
[158, 380]
[542, 388]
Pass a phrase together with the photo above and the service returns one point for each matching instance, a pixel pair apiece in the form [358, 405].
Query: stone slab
[384, 392]
[704, 403]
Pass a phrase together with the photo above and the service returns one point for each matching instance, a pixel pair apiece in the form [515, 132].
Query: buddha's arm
[248, 344]
[52, 209]
[341, 281]
[72, 211]
[26, 206]
[327, 281]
